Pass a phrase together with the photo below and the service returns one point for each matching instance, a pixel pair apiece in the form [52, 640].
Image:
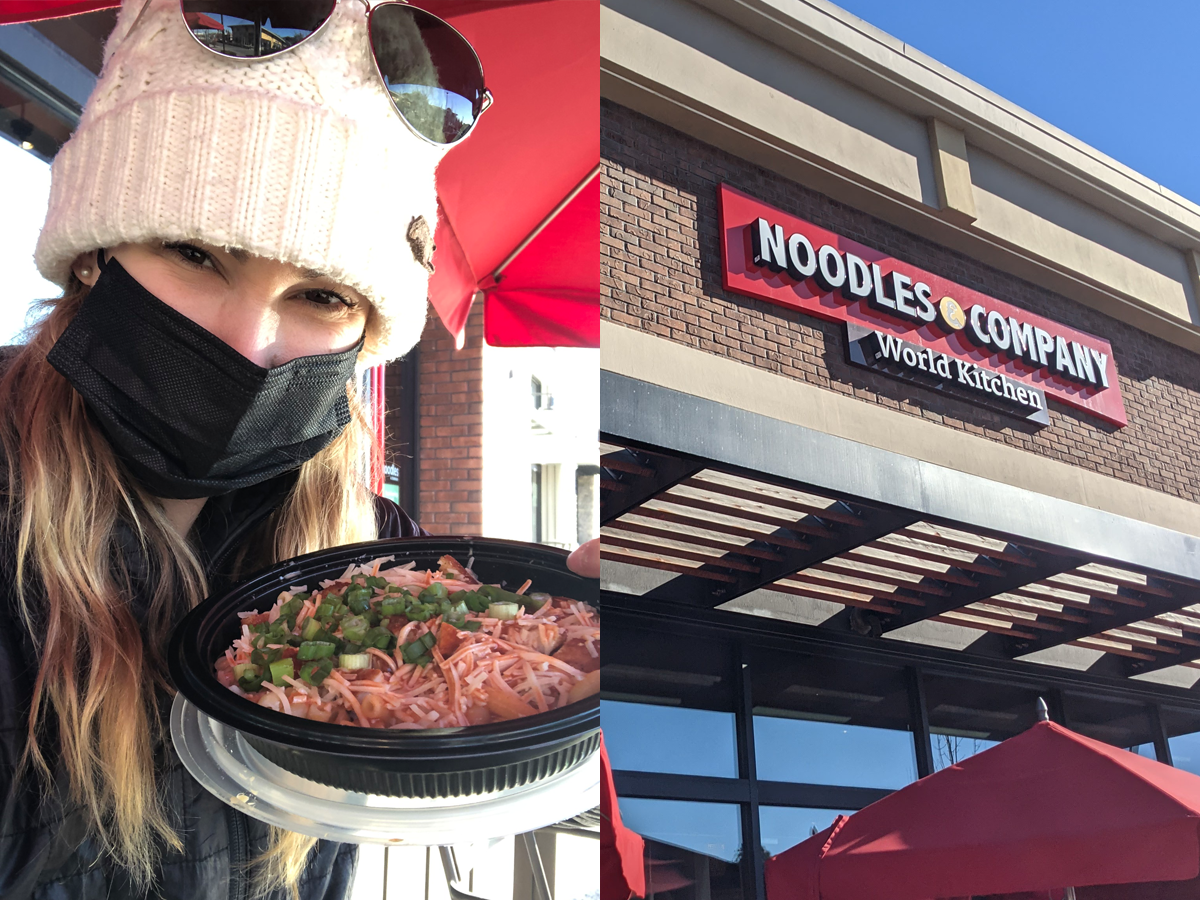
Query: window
[650, 666]
[673, 873]
[587, 510]
[838, 753]
[27, 189]
[542, 399]
[952, 747]
[1122, 723]
[1185, 752]
[535, 493]
[829, 720]
[782, 827]
[710, 829]
[968, 716]
[1183, 737]
[544, 499]
[649, 738]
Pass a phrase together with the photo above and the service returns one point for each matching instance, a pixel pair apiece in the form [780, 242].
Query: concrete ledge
[850, 48]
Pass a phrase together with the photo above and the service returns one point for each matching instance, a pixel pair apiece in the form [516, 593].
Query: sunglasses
[431, 72]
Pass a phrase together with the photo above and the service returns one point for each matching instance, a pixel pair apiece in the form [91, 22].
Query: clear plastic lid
[220, 759]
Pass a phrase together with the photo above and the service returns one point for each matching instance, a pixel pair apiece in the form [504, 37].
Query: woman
[233, 236]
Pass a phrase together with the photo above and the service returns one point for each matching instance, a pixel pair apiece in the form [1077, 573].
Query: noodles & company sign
[912, 324]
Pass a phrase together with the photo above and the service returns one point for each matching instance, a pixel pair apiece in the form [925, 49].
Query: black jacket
[44, 852]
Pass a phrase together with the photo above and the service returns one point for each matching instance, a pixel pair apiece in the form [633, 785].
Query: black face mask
[188, 414]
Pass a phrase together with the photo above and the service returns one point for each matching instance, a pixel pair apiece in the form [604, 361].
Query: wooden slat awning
[723, 534]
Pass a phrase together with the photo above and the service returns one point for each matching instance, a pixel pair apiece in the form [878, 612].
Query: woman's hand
[585, 559]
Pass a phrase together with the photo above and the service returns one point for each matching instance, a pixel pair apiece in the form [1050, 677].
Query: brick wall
[451, 429]
[660, 271]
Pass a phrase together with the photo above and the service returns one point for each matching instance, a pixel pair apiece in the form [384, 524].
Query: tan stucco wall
[806, 90]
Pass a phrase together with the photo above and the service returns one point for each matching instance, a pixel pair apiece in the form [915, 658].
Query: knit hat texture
[299, 157]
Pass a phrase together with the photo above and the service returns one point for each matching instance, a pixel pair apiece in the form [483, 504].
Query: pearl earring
[85, 273]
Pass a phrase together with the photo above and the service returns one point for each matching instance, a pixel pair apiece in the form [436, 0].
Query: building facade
[853, 531]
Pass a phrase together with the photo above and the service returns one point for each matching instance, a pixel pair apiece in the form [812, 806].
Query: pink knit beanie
[298, 157]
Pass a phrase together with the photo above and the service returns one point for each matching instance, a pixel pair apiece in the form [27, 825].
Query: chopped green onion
[499, 595]
[355, 629]
[354, 661]
[435, 592]
[474, 600]
[393, 606]
[413, 650]
[358, 598]
[471, 625]
[503, 610]
[311, 629]
[420, 612]
[251, 681]
[281, 668]
[315, 650]
[379, 638]
[316, 671]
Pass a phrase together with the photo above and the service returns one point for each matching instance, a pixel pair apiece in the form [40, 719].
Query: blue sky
[1122, 77]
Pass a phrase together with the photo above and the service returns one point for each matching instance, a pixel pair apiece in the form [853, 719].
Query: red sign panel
[773, 256]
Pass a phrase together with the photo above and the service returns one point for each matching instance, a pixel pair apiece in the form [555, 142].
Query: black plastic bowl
[431, 763]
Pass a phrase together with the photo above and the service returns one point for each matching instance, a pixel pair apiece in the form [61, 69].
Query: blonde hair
[68, 497]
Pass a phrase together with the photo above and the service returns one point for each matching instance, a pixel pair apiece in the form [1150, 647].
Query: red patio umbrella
[33, 10]
[621, 869]
[1043, 810]
[200, 20]
[520, 218]
[517, 197]
[548, 294]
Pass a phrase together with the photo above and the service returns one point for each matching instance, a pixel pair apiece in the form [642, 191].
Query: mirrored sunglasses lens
[431, 72]
[254, 28]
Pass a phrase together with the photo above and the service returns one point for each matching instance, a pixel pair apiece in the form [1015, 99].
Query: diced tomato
[506, 706]
[257, 619]
[288, 652]
[575, 653]
[478, 715]
[452, 568]
[448, 640]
